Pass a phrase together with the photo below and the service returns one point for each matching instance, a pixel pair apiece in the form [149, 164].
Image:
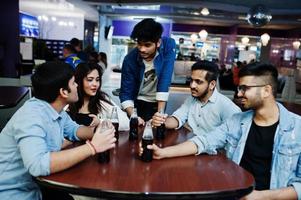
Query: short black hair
[210, 67]
[75, 42]
[267, 72]
[70, 48]
[49, 78]
[147, 30]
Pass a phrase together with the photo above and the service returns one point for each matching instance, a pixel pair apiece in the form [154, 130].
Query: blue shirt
[34, 131]
[73, 60]
[133, 73]
[286, 156]
[203, 118]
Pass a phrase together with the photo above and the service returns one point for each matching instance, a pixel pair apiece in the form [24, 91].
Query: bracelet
[92, 147]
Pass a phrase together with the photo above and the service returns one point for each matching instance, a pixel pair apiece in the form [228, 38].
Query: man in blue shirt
[206, 108]
[70, 56]
[31, 142]
[264, 140]
[77, 45]
[147, 71]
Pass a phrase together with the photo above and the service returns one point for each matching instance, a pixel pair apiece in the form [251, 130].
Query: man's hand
[105, 140]
[157, 151]
[158, 119]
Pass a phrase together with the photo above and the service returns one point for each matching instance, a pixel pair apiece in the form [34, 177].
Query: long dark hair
[94, 106]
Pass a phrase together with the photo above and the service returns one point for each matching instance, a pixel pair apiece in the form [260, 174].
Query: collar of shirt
[51, 111]
[212, 98]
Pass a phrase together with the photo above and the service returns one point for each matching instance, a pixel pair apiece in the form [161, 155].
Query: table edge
[237, 193]
[13, 104]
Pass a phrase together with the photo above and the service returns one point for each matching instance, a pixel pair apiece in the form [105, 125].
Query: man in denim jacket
[265, 140]
[147, 71]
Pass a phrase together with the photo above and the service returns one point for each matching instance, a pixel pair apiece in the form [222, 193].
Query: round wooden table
[127, 177]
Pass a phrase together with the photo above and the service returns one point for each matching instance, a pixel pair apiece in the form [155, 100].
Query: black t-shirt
[257, 156]
[81, 118]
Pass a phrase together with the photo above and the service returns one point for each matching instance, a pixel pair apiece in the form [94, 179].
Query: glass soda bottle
[133, 134]
[104, 157]
[161, 129]
[147, 139]
[115, 122]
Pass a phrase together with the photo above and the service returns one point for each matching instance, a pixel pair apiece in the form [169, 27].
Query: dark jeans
[51, 194]
[146, 110]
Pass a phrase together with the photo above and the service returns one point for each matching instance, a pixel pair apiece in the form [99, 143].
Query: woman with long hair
[91, 100]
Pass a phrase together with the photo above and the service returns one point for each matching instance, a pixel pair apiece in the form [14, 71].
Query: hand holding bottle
[103, 139]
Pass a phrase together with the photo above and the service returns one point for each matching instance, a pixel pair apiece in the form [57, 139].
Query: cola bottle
[161, 129]
[133, 134]
[115, 122]
[147, 139]
[104, 157]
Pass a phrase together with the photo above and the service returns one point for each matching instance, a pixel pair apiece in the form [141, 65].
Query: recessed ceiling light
[205, 11]
[242, 17]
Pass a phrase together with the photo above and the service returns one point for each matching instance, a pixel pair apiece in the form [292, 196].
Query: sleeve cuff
[47, 164]
[126, 104]
[297, 187]
[75, 133]
[179, 121]
[199, 145]
[162, 96]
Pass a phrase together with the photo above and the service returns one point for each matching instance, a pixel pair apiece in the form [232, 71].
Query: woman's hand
[95, 122]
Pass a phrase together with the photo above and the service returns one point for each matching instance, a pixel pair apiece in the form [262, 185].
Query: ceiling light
[45, 18]
[203, 35]
[70, 23]
[194, 38]
[205, 11]
[265, 39]
[296, 44]
[245, 40]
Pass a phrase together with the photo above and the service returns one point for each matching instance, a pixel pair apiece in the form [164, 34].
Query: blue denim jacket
[133, 71]
[286, 160]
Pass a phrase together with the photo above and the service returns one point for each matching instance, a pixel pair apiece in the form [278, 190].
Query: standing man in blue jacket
[147, 71]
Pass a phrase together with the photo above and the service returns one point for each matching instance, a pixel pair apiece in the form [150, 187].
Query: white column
[104, 44]
[289, 90]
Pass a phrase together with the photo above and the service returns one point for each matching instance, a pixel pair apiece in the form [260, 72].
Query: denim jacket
[133, 73]
[286, 159]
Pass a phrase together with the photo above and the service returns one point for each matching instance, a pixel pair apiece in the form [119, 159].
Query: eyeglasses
[244, 88]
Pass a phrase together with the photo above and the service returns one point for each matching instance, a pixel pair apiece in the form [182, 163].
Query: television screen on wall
[29, 25]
